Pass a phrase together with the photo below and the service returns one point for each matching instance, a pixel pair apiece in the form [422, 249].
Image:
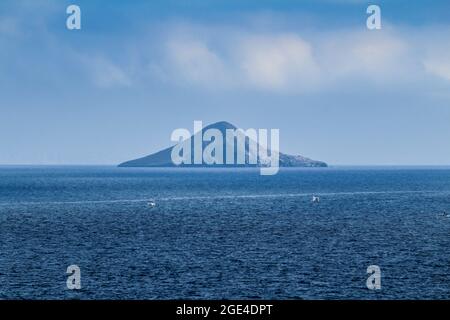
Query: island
[164, 158]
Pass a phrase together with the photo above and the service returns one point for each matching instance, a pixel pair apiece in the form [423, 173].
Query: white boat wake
[218, 197]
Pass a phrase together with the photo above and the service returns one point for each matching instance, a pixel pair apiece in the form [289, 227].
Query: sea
[224, 233]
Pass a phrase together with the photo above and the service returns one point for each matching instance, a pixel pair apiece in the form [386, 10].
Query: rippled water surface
[223, 233]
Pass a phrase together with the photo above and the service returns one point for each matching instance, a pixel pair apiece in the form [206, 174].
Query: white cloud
[293, 61]
[437, 60]
[439, 67]
[370, 55]
[277, 62]
[269, 62]
[106, 74]
[194, 62]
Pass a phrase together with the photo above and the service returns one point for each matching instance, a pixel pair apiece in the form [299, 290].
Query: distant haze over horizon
[116, 89]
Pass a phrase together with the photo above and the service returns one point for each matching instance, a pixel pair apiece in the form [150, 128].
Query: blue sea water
[224, 233]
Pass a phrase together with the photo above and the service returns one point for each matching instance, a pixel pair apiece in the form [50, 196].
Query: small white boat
[151, 204]
[315, 199]
[445, 215]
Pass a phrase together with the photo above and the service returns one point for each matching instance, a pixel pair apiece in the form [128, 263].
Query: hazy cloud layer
[295, 62]
[227, 57]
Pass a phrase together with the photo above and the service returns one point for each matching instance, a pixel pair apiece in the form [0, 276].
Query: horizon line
[212, 166]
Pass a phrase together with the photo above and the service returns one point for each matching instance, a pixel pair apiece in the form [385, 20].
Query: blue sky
[137, 70]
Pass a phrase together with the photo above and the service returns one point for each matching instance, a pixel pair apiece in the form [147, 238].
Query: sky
[137, 70]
